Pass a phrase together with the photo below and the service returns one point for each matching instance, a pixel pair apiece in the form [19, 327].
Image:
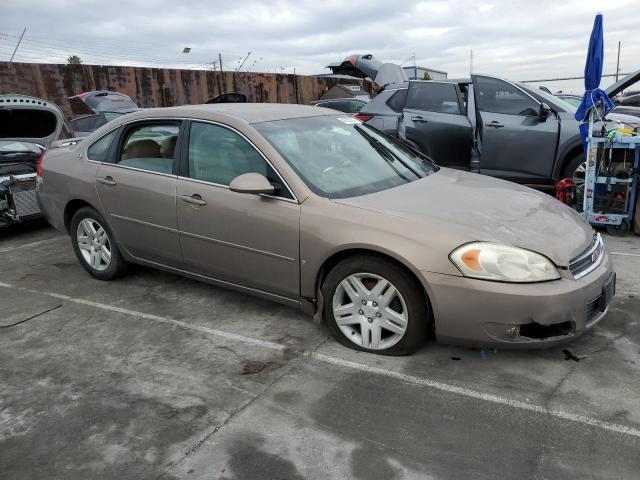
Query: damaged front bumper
[18, 201]
[536, 315]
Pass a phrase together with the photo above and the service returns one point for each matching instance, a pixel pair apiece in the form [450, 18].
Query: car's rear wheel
[95, 246]
[374, 305]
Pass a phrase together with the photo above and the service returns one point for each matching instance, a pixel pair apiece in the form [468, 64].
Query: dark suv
[484, 124]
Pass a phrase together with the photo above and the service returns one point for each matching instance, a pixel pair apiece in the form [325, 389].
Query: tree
[74, 60]
[426, 76]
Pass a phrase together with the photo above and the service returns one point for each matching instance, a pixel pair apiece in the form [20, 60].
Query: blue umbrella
[592, 76]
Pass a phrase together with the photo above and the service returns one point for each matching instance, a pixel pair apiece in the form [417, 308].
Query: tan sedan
[315, 210]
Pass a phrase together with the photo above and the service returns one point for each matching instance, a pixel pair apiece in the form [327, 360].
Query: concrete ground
[143, 378]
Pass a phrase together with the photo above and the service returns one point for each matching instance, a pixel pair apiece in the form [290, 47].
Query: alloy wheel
[94, 244]
[370, 311]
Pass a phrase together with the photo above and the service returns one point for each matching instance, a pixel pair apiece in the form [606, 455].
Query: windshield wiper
[381, 148]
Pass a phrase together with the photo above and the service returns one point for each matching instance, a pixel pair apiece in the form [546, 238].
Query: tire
[399, 329]
[95, 245]
[619, 230]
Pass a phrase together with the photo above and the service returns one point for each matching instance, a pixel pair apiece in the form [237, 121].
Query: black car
[346, 105]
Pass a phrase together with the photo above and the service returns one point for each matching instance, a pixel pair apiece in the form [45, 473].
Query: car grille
[589, 259]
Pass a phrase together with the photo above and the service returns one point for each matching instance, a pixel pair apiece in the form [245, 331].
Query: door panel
[141, 205]
[516, 143]
[141, 208]
[433, 118]
[250, 240]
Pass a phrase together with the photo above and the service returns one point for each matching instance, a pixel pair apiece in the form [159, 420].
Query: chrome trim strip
[142, 222]
[235, 245]
[599, 245]
[594, 244]
[170, 175]
[219, 185]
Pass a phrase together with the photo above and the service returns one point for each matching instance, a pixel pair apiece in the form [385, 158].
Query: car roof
[247, 112]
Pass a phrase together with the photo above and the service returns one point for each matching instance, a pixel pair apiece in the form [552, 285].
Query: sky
[518, 40]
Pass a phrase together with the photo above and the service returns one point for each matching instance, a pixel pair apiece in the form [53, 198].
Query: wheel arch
[71, 208]
[571, 151]
[349, 251]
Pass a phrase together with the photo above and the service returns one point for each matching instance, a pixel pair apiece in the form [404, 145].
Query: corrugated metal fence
[159, 87]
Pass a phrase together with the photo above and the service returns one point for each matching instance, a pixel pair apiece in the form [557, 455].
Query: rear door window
[150, 147]
[434, 97]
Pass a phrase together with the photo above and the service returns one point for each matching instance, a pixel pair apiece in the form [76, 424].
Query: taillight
[363, 117]
[39, 164]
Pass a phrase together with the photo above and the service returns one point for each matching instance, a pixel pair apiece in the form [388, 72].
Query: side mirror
[544, 112]
[251, 183]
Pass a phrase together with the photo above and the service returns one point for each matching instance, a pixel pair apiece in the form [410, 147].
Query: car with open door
[28, 126]
[316, 210]
[487, 125]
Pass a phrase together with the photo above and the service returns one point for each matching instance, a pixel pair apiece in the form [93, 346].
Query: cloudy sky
[519, 40]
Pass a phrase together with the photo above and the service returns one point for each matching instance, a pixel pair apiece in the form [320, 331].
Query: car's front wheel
[373, 304]
[94, 245]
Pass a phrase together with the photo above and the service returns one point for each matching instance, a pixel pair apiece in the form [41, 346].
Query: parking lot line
[26, 245]
[156, 318]
[338, 362]
[487, 397]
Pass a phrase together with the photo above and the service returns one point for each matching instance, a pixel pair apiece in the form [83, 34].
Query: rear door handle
[418, 118]
[494, 124]
[195, 199]
[106, 180]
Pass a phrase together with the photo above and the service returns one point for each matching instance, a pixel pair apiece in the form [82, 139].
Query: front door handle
[494, 124]
[195, 199]
[419, 118]
[108, 180]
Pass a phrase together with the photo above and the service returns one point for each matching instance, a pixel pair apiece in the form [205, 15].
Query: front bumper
[492, 314]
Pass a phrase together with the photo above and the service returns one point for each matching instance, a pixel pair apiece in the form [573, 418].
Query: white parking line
[157, 318]
[327, 359]
[487, 397]
[26, 245]
[625, 254]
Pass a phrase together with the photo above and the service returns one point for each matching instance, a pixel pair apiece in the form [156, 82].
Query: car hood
[470, 207]
[29, 119]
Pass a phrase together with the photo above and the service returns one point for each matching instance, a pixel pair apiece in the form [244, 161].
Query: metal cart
[611, 182]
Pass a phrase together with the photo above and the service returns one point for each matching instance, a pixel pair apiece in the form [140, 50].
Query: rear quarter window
[99, 150]
[397, 100]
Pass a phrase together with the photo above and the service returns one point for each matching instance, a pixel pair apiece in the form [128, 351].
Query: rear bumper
[493, 314]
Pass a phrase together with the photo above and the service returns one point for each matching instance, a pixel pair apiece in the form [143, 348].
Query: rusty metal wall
[157, 87]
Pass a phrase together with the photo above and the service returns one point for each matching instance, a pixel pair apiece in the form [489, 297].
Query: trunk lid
[29, 119]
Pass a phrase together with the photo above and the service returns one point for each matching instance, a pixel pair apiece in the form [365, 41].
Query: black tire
[569, 171]
[412, 293]
[619, 230]
[117, 264]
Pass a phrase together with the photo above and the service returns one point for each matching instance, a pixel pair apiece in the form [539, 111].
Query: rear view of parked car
[28, 125]
[97, 108]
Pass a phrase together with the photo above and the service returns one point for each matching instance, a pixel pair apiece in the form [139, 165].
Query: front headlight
[492, 261]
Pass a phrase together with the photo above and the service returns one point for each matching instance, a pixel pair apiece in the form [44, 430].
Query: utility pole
[224, 81]
[618, 63]
[17, 45]
[471, 63]
[245, 59]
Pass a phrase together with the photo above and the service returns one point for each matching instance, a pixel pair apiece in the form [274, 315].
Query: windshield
[339, 157]
[549, 98]
[111, 115]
